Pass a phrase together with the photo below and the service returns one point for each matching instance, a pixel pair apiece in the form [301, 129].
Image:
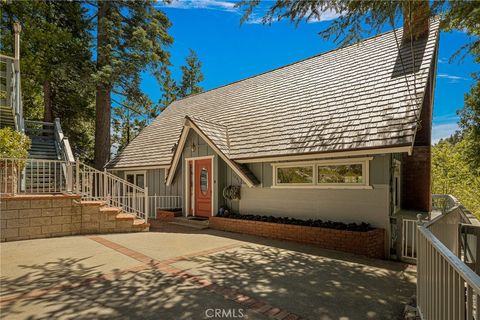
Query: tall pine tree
[191, 76]
[132, 37]
[55, 64]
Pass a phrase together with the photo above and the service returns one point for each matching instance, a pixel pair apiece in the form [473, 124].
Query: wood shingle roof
[363, 96]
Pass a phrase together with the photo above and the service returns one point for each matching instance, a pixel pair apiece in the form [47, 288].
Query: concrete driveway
[180, 273]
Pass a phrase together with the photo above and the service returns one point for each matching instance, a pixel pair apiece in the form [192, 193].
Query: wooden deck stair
[97, 217]
[7, 118]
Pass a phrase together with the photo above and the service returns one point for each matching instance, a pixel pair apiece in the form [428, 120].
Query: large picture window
[295, 175]
[340, 174]
[345, 173]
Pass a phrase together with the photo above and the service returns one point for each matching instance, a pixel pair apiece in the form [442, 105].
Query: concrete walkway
[180, 273]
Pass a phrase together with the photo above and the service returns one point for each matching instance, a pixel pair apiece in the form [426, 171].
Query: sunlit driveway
[179, 273]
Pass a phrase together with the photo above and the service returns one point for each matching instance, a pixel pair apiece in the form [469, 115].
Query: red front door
[203, 187]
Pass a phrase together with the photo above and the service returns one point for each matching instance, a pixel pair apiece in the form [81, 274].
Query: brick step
[125, 216]
[88, 203]
[195, 224]
[101, 218]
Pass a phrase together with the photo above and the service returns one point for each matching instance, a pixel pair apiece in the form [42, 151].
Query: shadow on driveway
[307, 281]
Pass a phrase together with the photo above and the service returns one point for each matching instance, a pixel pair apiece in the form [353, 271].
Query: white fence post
[147, 212]
[77, 176]
[105, 189]
[69, 177]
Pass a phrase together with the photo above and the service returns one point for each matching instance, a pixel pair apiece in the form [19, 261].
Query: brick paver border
[166, 266]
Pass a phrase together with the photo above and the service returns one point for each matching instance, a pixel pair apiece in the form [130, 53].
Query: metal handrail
[163, 202]
[63, 143]
[93, 184]
[61, 176]
[43, 123]
[447, 200]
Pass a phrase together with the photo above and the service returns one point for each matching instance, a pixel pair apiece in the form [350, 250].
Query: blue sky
[230, 51]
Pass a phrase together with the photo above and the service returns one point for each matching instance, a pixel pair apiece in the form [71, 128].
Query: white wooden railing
[446, 287]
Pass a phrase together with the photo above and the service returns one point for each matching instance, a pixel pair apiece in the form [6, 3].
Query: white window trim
[144, 172]
[365, 162]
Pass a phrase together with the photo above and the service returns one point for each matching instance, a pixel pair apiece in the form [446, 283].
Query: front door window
[203, 187]
[204, 181]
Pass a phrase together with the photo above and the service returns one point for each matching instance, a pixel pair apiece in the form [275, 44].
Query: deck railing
[163, 203]
[10, 89]
[35, 176]
[446, 287]
[93, 184]
[62, 142]
[409, 240]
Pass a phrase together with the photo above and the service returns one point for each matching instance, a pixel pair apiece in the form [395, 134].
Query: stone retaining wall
[31, 217]
[44, 216]
[370, 243]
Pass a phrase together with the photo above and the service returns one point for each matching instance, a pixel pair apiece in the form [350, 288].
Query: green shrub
[13, 144]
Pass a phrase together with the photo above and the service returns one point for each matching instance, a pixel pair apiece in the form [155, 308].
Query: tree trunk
[103, 94]
[47, 101]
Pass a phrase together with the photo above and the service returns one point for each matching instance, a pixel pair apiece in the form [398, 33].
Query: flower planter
[167, 215]
[369, 243]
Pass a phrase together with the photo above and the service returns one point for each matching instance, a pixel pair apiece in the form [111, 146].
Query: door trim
[187, 184]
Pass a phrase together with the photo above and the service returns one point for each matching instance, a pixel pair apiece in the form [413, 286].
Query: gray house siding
[156, 182]
[195, 146]
[346, 205]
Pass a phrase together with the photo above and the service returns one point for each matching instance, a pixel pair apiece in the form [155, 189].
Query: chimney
[416, 15]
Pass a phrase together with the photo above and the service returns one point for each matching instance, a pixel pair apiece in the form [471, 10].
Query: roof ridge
[205, 120]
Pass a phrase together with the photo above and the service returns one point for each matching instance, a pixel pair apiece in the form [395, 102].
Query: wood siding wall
[347, 205]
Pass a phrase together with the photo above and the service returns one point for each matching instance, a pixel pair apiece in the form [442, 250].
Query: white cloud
[451, 78]
[444, 130]
[229, 6]
[442, 60]
[256, 18]
[200, 4]
[326, 16]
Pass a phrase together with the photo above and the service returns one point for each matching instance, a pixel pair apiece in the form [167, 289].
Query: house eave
[190, 124]
[324, 155]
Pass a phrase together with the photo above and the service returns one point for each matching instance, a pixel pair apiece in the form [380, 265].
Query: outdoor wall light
[193, 147]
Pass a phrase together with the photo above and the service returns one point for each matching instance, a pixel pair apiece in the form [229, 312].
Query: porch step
[101, 218]
[91, 203]
[186, 222]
